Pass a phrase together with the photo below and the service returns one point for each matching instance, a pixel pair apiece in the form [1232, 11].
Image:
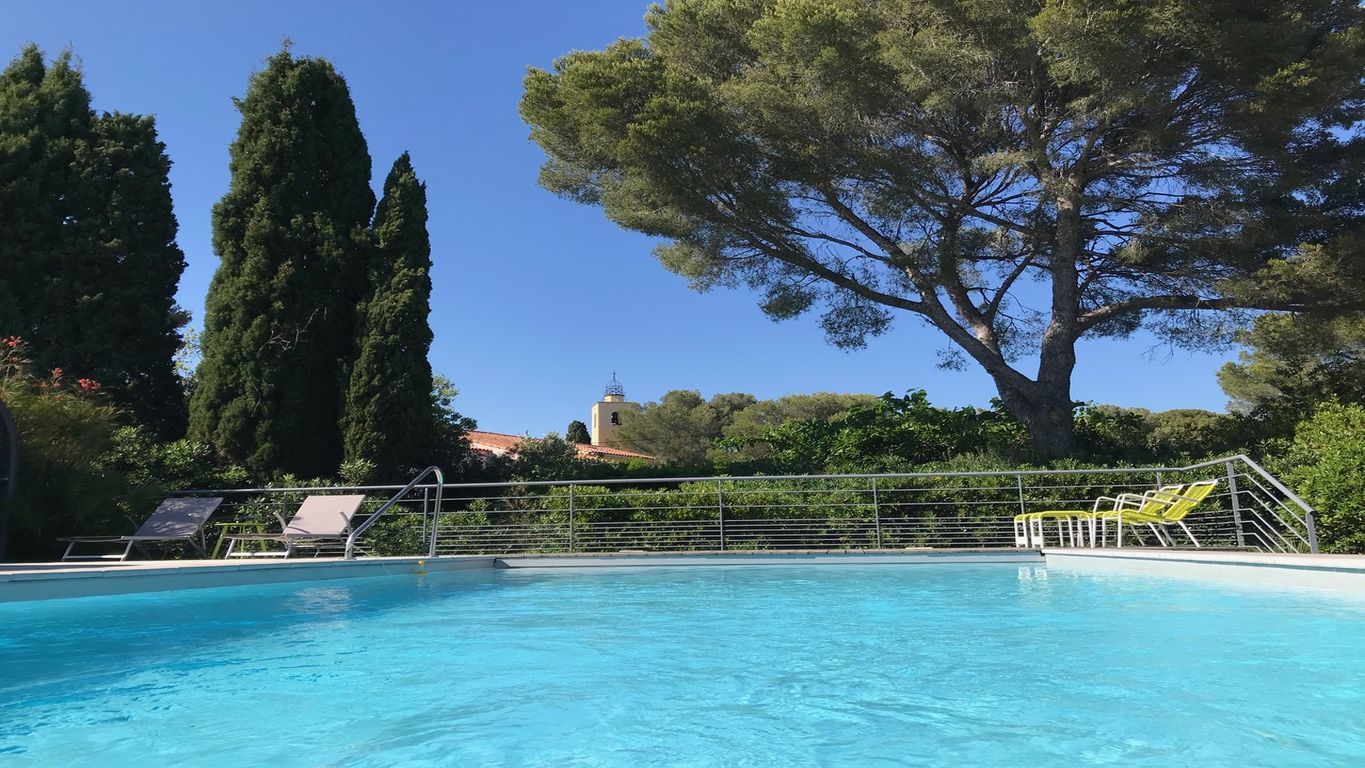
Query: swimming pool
[703, 666]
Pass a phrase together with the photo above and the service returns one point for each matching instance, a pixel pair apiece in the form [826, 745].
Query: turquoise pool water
[753, 666]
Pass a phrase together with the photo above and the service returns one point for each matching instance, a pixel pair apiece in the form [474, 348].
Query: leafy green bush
[65, 431]
[554, 458]
[81, 470]
[168, 466]
[889, 434]
[1110, 434]
[1326, 465]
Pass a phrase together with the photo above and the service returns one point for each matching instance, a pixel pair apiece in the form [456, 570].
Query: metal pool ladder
[378, 513]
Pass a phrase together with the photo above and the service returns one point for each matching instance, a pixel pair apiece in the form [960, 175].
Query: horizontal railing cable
[1249, 509]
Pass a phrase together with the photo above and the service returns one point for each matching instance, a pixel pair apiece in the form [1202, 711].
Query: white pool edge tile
[1338, 573]
[89, 581]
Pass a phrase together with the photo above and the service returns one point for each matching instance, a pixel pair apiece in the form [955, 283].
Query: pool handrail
[386, 506]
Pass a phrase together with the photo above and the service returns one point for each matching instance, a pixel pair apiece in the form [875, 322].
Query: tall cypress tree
[44, 117]
[23, 188]
[280, 317]
[129, 336]
[88, 259]
[389, 411]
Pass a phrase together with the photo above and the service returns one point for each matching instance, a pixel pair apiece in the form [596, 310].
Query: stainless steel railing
[359, 530]
[1250, 509]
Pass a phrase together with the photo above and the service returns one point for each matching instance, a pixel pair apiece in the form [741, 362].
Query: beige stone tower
[606, 413]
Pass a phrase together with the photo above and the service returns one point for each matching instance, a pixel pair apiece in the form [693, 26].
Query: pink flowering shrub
[17, 373]
[66, 431]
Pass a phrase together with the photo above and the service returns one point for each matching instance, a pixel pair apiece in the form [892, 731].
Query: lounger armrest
[94, 538]
[1119, 501]
[1179, 497]
[1145, 497]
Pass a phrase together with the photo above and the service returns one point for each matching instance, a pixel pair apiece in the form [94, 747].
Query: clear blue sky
[537, 300]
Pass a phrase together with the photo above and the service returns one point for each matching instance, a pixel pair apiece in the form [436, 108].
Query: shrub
[167, 466]
[1326, 465]
[65, 430]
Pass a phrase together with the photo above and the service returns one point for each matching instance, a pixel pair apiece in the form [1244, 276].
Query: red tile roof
[590, 451]
[499, 444]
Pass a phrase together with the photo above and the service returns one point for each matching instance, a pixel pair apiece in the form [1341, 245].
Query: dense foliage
[1325, 463]
[763, 415]
[387, 419]
[1111, 164]
[681, 427]
[826, 432]
[315, 336]
[88, 259]
[1108, 434]
[890, 434]
[1293, 363]
[550, 458]
[280, 314]
[81, 472]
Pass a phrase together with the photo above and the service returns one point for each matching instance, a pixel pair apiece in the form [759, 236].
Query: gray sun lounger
[175, 520]
[320, 520]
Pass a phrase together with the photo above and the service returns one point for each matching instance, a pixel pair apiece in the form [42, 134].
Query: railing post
[720, 509]
[1309, 521]
[1236, 505]
[1019, 484]
[436, 511]
[426, 510]
[876, 513]
[571, 517]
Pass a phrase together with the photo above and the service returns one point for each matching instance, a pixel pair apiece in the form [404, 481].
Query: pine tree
[389, 412]
[88, 260]
[280, 314]
[1022, 177]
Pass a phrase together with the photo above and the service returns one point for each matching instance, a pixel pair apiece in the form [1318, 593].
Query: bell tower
[606, 413]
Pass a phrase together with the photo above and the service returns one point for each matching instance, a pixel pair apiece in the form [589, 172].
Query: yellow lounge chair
[1028, 526]
[1178, 505]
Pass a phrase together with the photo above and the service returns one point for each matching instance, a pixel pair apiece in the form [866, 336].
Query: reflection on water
[320, 601]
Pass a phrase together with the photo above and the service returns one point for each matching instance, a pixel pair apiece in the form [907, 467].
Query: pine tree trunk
[1047, 414]
[1050, 418]
[1052, 429]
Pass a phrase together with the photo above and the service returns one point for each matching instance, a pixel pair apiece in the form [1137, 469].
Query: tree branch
[1191, 301]
[794, 255]
[994, 307]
